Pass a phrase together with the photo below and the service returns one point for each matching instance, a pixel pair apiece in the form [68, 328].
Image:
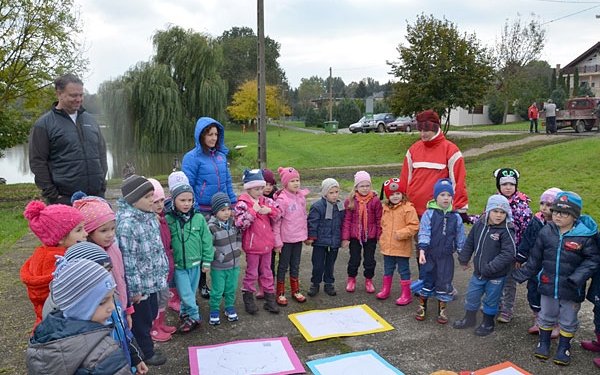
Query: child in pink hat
[58, 226]
[290, 232]
[361, 230]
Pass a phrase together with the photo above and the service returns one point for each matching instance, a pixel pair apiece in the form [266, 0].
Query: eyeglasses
[560, 213]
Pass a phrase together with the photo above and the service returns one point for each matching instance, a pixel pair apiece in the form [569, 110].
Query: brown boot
[281, 300]
[296, 290]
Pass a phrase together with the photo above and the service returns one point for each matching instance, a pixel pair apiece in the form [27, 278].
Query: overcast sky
[353, 37]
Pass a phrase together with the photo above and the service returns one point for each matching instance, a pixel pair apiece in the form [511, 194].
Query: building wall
[462, 117]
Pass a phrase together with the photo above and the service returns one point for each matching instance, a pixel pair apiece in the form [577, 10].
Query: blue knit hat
[79, 286]
[443, 184]
[253, 178]
[499, 202]
[180, 189]
[568, 201]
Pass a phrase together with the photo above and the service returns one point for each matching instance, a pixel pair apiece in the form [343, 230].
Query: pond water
[14, 165]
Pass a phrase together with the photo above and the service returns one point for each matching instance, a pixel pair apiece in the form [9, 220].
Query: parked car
[357, 127]
[378, 123]
[403, 124]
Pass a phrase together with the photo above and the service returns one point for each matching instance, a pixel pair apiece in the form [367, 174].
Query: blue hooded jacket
[208, 173]
[563, 262]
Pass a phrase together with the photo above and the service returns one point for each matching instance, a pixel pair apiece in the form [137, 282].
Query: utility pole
[330, 95]
[262, 102]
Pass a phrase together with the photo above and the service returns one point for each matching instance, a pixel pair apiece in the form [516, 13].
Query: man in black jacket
[67, 152]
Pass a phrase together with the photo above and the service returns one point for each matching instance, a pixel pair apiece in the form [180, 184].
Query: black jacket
[492, 247]
[65, 156]
[566, 261]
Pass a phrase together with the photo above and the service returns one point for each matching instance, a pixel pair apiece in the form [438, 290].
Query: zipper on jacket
[183, 247]
[557, 267]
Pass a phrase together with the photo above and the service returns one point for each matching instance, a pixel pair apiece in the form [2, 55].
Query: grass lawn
[567, 164]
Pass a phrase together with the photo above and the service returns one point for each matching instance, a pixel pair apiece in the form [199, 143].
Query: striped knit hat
[135, 187]
[79, 286]
[89, 251]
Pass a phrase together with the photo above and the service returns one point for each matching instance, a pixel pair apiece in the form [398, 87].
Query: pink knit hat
[95, 210]
[550, 195]
[361, 176]
[51, 223]
[287, 174]
[159, 191]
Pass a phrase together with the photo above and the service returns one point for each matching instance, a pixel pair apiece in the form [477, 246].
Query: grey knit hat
[180, 189]
[218, 201]
[135, 187]
[327, 184]
[79, 286]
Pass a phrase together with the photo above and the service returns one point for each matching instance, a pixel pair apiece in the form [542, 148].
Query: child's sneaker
[504, 317]
[215, 320]
[232, 316]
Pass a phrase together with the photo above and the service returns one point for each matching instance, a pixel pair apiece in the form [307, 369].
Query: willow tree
[160, 100]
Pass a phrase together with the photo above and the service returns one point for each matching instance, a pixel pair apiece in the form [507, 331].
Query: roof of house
[574, 63]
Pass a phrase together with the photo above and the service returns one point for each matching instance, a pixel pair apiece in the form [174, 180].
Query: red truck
[580, 115]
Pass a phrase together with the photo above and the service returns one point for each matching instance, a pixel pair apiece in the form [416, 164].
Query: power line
[569, 15]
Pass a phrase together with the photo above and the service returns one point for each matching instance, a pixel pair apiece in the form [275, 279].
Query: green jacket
[191, 240]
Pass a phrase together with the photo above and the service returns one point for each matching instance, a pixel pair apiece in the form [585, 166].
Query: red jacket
[427, 162]
[257, 232]
[533, 112]
[36, 274]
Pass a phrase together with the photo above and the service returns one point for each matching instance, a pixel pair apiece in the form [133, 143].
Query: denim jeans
[492, 290]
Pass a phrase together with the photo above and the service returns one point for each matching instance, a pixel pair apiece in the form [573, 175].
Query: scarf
[329, 208]
[363, 215]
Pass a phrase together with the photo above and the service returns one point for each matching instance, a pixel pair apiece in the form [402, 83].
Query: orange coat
[401, 221]
[36, 274]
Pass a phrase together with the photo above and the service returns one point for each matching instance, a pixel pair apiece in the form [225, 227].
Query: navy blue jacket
[492, 247]
[528, 240]
[566, 261]
[325, 232]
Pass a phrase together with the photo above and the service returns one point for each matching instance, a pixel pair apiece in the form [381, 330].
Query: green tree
[39, 43]
[519, 44]
[311, 88]
[575, 82]
[440, 68]
[240, 59]
[154, 105]
[347, 112]
[361, 90]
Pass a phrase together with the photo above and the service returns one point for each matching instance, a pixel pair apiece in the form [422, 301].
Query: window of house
[477, 110]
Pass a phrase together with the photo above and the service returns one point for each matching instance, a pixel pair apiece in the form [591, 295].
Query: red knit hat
[269, 176]
[287, 174]
[51, 223]
[428, 120]
[95, 211]
[392, 186]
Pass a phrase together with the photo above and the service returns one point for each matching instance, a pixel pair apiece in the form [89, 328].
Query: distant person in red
[533, 113]
[429, 159]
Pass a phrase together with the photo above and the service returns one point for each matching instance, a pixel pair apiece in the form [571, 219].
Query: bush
[496, 112]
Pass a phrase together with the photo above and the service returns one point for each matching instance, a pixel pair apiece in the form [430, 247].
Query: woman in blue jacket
[206, 169]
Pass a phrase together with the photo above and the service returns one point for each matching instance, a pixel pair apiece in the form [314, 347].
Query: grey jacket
[227, 241]
[550, 109]
[63, 346]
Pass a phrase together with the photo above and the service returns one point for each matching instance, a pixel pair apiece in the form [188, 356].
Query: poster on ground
[342, 321]
[358, 363]
[273, 356]
[505, 368]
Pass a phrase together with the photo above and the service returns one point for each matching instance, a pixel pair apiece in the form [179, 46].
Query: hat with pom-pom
[391, 186]
[51, 223]
[428, 120]
[95, 211]
[253, 178]
[287, 174]
[159, 191]
[79, 286]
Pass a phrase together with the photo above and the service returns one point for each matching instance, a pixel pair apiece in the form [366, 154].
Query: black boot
[249, 304]
[487, 325]
[563, 353]
[270, 303]
[468, 321]
[204, 289]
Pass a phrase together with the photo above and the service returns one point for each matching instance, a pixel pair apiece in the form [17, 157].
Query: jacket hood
[584, 226]
[201, 124]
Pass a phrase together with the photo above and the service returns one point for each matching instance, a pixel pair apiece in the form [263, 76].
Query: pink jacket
[257, 233]
[118, 272]
[350, 226]
[293, 226]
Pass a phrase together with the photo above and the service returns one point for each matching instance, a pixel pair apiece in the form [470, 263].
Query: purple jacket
[350, 226]
[257, 233]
